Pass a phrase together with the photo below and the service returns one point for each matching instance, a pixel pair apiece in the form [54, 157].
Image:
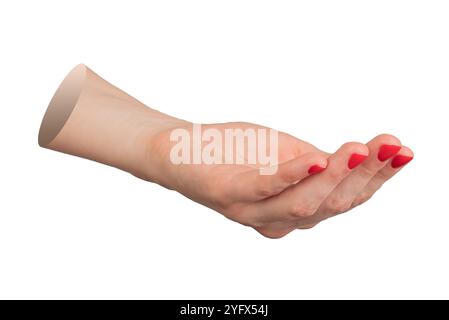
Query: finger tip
[404, 157]
[315, 169]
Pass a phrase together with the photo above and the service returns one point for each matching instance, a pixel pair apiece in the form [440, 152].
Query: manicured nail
[355, 160]
[387, 151]
[400, 161]
[316, 169]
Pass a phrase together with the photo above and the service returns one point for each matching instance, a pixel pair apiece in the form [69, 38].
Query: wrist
[90, 118]
[154, 144]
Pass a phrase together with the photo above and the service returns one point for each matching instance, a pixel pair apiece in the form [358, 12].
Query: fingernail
[316, 169]
[355, 160]
[387, 151]
[400, 161]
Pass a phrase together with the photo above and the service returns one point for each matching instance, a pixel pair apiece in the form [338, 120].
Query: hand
[90, 118]
[294, 197]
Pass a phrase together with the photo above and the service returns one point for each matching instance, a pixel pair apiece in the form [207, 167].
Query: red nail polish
[316, 169]
[400, 161]
[387, 151]
[355, 160]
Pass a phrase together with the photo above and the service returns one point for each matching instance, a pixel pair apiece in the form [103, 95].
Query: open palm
[309, 186]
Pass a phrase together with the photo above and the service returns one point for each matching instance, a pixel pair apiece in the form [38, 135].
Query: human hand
[90, 118]
[309, 186]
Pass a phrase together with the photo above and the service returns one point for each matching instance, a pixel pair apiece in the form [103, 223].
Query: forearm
[90, 118]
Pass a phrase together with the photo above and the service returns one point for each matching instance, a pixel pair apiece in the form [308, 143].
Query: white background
[325, 71]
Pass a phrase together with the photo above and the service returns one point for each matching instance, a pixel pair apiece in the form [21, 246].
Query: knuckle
[366, 172]
[361, 198]
[383, 176]
[303, 210]
[289, 177]
[272, 233]
[315, 157]
[352, 147]
[336, 175]
[264, 191]
[240, 214]
[307, 226]
[339, 204]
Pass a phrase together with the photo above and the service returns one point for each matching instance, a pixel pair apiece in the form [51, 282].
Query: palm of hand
[276, 204]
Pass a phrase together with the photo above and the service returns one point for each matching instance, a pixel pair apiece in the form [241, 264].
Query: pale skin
[108, 126]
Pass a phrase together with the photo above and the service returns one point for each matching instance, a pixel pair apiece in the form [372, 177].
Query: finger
[395, 165]
[381, 149]
[303, 199]
[276, 230]
[306, 226]
[252, 186]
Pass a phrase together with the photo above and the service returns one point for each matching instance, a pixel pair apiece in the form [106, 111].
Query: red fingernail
[400, 161]
[316, 169]
[387, 151]
[355, 160]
